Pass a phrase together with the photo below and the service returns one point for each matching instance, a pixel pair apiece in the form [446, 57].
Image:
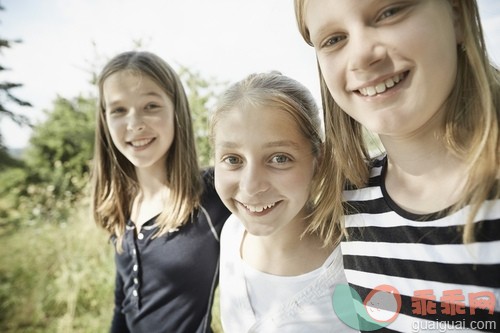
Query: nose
[135, 122]
[253, 180]
[366, 49]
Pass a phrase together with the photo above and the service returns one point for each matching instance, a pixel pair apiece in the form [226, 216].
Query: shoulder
[376, 166]
[207, 176]
[232, 227]
[377, 161]
[209, 193]
[210, 200]
[230, 243]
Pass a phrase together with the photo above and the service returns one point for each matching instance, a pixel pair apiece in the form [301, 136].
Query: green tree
[8, 98]
[64, 142]
[56, 168]
[202, 94]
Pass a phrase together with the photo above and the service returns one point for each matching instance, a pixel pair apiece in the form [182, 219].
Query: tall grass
[56, 277]
[59, 278]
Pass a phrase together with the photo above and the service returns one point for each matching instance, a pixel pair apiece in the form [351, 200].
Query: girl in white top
[277, 273]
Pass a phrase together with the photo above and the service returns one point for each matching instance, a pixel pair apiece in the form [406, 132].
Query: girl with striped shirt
[422, 219]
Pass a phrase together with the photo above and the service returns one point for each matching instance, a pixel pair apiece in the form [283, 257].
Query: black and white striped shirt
[423, 254]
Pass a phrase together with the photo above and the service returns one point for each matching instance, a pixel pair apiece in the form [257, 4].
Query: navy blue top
[166, 284]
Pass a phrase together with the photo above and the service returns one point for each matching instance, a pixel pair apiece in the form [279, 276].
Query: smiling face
[263, 168]
[389, 64]
[140, 118]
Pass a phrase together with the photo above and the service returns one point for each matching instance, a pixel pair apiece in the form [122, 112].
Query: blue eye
[117, 110]
[280, 159]
[232, 160]
[334, 40]
[389, 12]
[151, 106]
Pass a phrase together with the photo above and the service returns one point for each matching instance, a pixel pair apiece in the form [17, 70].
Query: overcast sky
[221, 39]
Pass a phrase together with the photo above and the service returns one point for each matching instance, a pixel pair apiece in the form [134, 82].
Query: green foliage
[201, 94]
[12, 185]
[7, 161]
[6, 98]
[56, 166]
[65, 140]
[57, 278]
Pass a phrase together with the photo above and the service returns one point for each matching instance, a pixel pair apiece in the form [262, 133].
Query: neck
[150, 183]
[151, 199]
[420, 150]
[423, 175]
[285, 252]
[417, 155]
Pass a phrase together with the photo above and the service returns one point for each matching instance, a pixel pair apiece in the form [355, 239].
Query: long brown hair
[114, 181]
[471, 127]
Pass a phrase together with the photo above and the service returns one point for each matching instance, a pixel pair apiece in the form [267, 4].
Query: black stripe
[407, 309]
[384, 205]
[465, 274]
[374, 181]
[378, 161]
[375, 206]
[484, 231]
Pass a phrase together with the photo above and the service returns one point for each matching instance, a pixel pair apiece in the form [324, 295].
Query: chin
[258, 230]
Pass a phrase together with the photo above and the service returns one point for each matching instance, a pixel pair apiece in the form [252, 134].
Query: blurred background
[56, 266]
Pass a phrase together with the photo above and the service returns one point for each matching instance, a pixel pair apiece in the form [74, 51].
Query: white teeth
[381, 87]
[389, 83]
[258, 209]
[140, 143]
[371, 91]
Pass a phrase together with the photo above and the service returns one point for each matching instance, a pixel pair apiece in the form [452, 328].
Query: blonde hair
[114, 181]
[284, 93]
[471, 127]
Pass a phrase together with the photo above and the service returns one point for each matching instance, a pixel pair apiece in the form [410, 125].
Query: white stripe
[406, 286]
[486, 253]
[375, 171]
[363, 194]
[209, 220]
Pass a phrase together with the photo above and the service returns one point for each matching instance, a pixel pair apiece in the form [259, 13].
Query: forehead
[257, 122]
[129, 79]
[317, 14]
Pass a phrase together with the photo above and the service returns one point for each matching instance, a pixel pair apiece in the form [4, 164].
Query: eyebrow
[321, 32]
[117, 102]
[152, 93]
[282, 143]
[272, 144]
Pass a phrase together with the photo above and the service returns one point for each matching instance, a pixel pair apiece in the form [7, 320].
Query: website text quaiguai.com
[442, 326]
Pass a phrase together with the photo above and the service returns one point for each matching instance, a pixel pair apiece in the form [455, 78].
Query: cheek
[222, 182]
[113, 129]
[332, 76]
[301, 182]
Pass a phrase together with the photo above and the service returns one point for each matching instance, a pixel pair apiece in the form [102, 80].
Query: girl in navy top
[162, 213]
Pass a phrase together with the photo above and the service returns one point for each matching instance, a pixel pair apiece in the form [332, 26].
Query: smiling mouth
[140, 143]
[382, 86]
[259, 208]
